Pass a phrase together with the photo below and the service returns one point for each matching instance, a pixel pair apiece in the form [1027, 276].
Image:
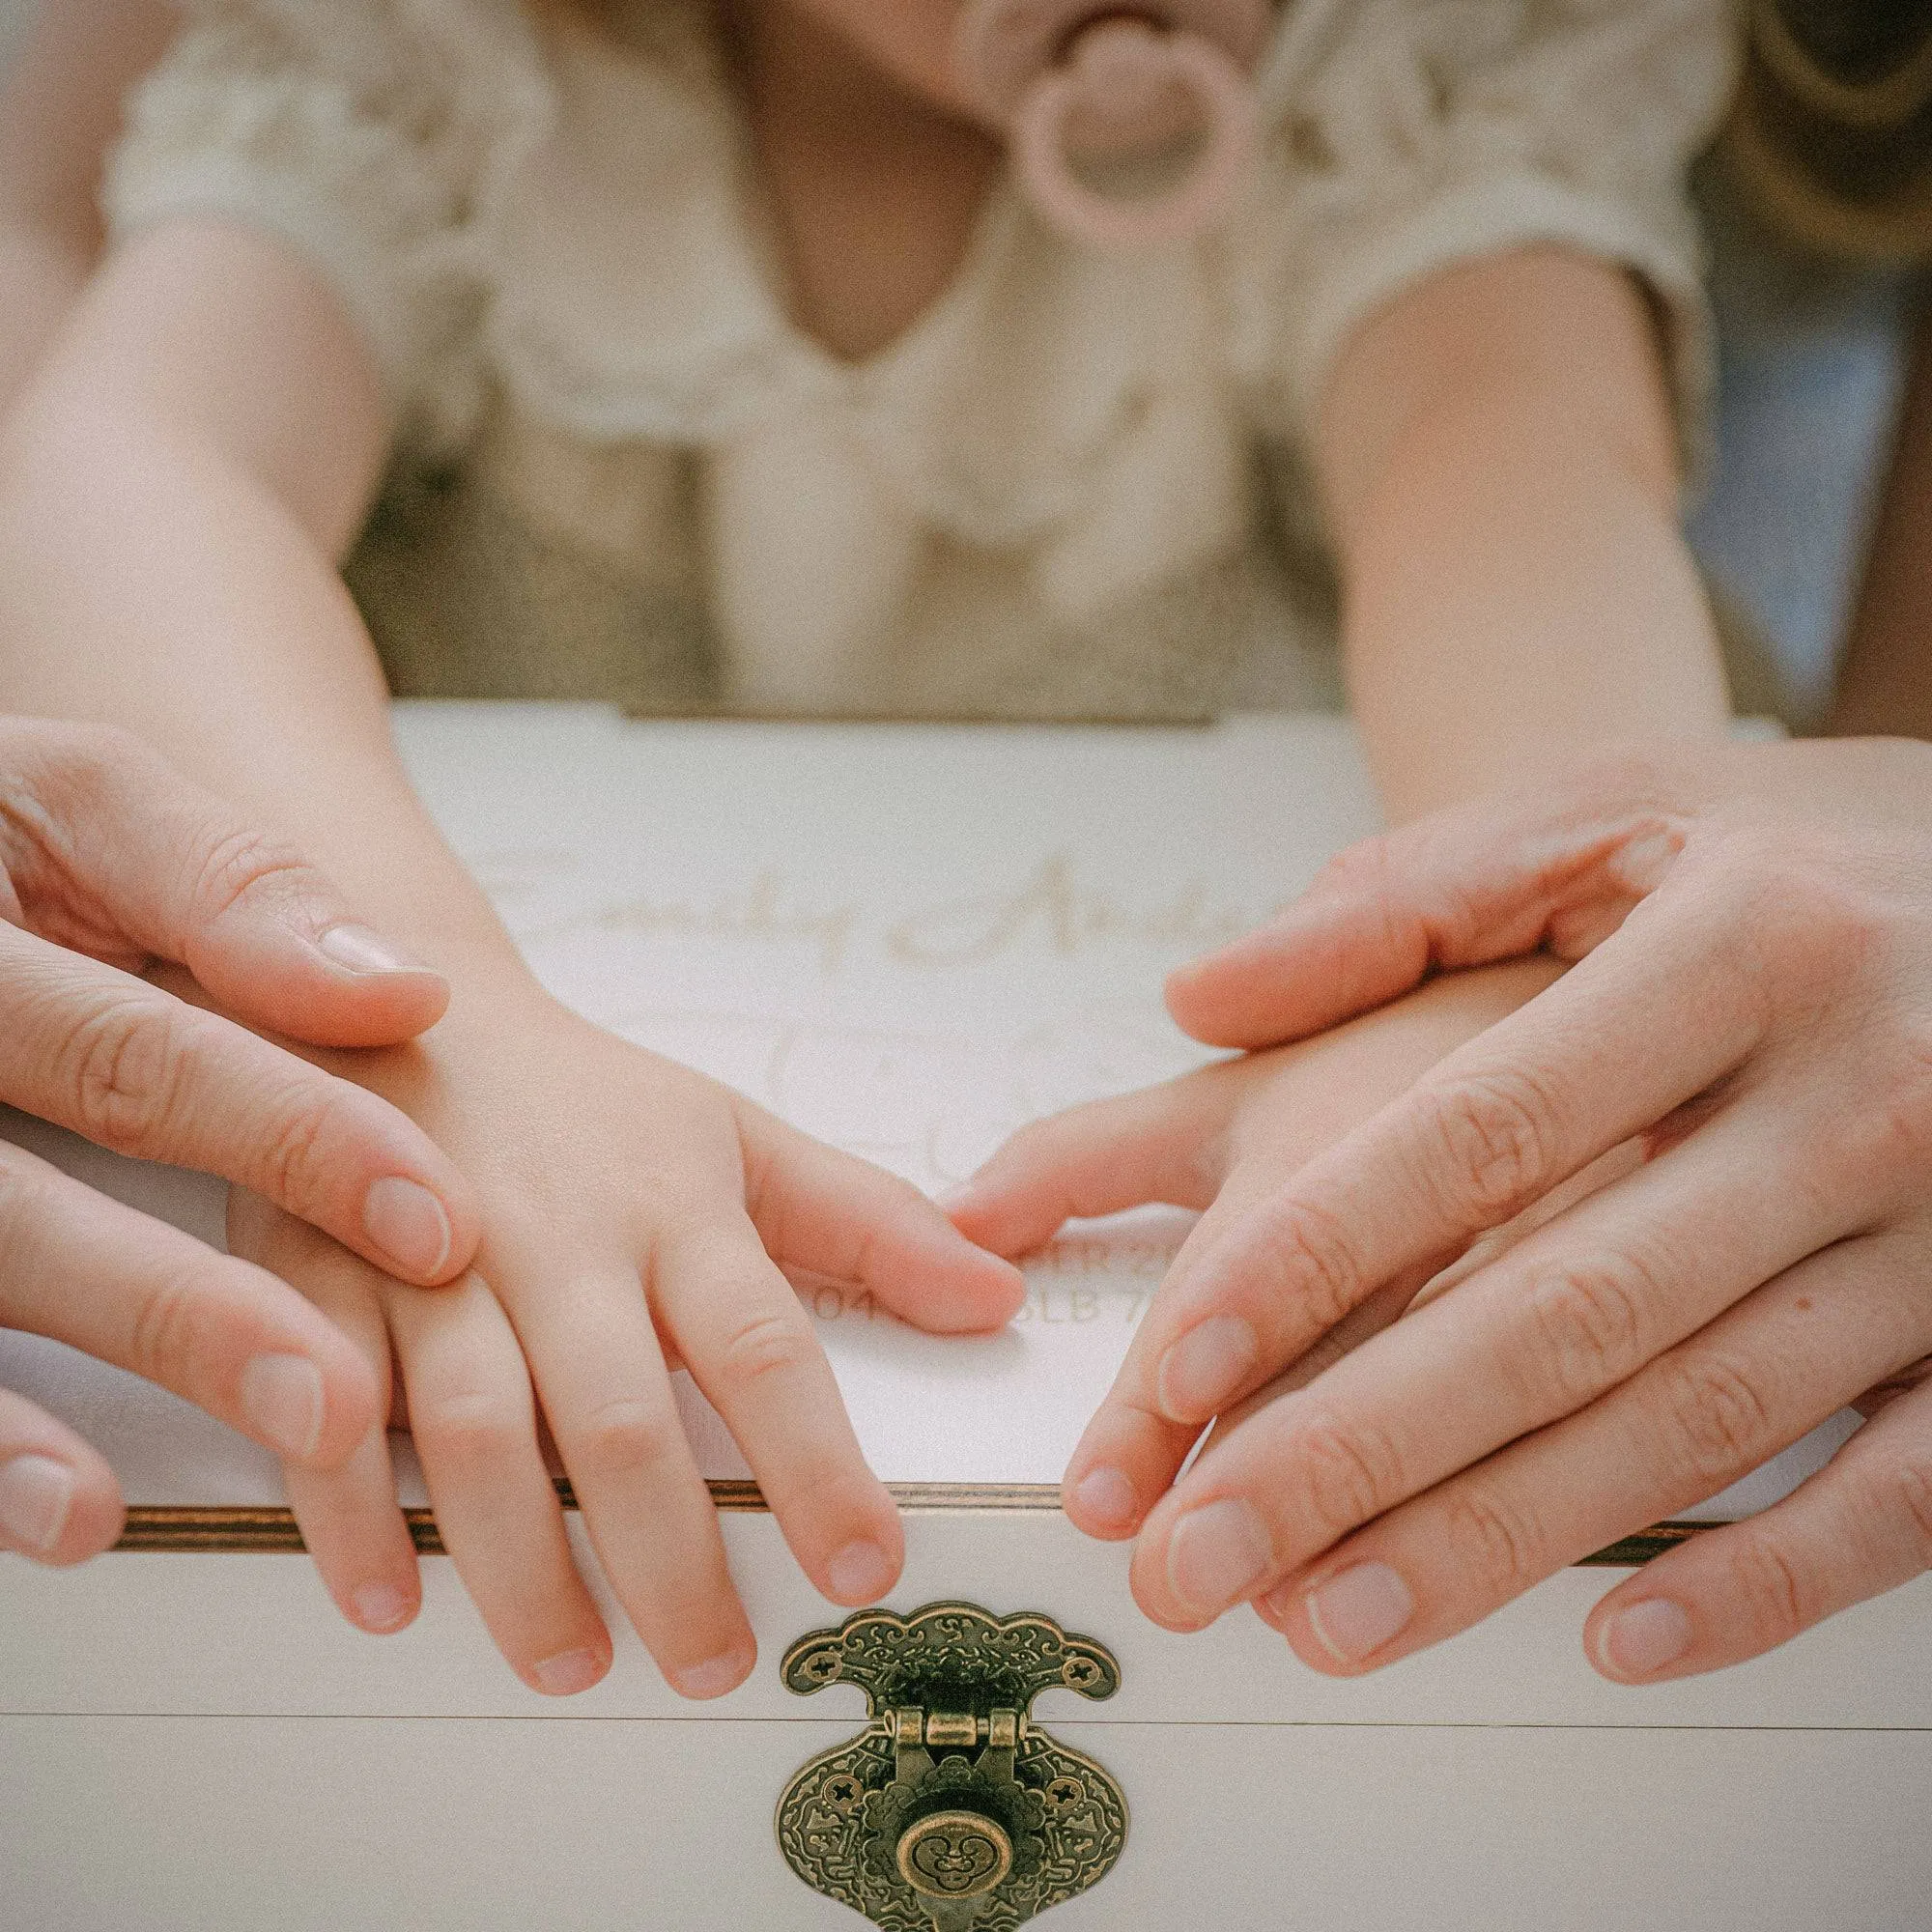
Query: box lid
[909, 941]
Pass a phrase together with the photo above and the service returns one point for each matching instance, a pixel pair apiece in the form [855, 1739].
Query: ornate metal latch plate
[952, 1811]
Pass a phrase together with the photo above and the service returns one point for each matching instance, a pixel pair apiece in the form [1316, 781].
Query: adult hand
[1752, 1006]
[111, 866]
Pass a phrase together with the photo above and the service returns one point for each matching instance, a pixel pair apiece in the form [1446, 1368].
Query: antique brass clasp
[952, 1811]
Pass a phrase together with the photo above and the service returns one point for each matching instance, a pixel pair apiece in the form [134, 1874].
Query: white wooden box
[909, 941]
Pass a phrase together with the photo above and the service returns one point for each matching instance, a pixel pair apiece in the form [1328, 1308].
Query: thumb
[110, 850]
[1468, 887]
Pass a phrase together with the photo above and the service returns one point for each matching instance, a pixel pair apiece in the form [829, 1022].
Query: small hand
[635, 1215]
[1754, 931]
[1220, 1140]
[111, 865]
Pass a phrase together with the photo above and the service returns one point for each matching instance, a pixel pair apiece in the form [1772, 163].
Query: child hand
[1218, 1140]
[634, 1214]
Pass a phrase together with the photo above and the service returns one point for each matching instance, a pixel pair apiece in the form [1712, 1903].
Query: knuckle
[232, 865]
[1911, 1486]
[1899, 1118]
[1817, 923]
[1586, 1325]
[1351, 1471]
[292, 1163]
[1491, 1542]
[1715, 1422]
[170, 1335]
[766, 1346]
[470, 1428]
[621, 1438]
[1897, 1503]
[121, 1069]
[1770, 1588]
[1309, 1255]
[1494, 1137]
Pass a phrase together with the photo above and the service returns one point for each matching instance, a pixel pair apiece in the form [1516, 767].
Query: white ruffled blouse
[1075, 486]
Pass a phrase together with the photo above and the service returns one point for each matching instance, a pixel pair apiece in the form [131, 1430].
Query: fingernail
[382, 1608]
[1358, 1609]
[948, 1200]
[1106, 1497]
[35, 1495]
[1216, 1555]
[1205, 1368]
[407, 1223]
[712, 1679]
[360, 951]
[568, 1672]
[859, 1574]
[1641, 1640]
[281, 1395]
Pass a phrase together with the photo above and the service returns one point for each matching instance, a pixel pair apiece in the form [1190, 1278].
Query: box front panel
[581, 1825]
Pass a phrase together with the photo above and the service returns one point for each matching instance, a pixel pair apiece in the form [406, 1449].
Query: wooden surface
[580, 1825]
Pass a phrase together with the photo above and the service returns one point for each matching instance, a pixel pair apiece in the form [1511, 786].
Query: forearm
[39, 279]
[1499, 467]
[149, 579]
[59, 110]
[1516, 601]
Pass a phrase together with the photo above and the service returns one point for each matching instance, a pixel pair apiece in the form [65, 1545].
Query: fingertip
[424, 1232]
[387, 1016]
[998, 1292]
[1189, 992]
[964, 1287]
[382, 1608]
[380, 994]
[1103, 1503]
[1308, 1650]
[568, 1672]
[1640, 1642]
[274, 1396]
[99, 1520]
[717, 1676]
[1301, 1641]
[1214, 999]
[56, 1512]
[999, 1220]
[864, 1571]
[275, 976]
[1159, 1606]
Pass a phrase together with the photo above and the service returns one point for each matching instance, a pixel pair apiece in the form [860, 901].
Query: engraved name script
[1052, 910]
